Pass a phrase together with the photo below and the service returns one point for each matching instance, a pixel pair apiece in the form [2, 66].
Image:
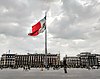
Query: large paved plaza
[49, 74]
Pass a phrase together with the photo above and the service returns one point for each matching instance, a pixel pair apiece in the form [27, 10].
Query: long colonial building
[88, 60]
[30, 60]
[83, 60]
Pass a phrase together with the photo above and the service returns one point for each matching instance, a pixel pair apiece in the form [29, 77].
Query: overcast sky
[73, 26]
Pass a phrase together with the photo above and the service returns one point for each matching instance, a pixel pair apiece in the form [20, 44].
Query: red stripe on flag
[35, 29]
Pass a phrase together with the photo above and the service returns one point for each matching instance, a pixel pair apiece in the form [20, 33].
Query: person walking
[64, 65]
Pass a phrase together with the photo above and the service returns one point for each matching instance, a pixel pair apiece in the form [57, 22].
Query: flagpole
[46, 62]
[46, 48]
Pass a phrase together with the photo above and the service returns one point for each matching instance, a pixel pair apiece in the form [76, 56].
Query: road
[50, 74]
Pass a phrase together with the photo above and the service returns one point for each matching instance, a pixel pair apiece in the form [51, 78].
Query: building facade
[73, 62]
[37, 60]
[83, 60]
[30, 60]
[87, 59]
[98, 59]
[8, 60]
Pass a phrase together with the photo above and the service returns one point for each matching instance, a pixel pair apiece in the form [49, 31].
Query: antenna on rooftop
[9, 51]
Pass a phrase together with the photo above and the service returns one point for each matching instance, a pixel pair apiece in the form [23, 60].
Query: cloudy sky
[73, 26]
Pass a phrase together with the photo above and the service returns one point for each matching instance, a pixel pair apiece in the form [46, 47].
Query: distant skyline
[73, 26]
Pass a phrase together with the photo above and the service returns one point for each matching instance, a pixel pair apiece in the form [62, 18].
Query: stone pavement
[50, 74]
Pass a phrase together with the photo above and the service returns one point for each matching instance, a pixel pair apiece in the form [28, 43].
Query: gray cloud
[74, 25]
[18, 12]
[76, 20]
[79, 22]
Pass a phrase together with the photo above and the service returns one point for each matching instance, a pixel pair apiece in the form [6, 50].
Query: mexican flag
[38, 27]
